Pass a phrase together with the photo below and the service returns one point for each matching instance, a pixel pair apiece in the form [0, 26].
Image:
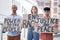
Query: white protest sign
[46, 24]
[11, 24]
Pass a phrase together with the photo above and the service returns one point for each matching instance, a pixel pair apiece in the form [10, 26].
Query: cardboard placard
[46, 25]
[11, 24]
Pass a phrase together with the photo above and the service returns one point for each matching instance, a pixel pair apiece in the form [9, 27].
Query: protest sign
[46, 25]
[11, 25]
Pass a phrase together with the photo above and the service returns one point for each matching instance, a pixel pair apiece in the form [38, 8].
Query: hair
[35, 8]
[14, 6]
[46, 9]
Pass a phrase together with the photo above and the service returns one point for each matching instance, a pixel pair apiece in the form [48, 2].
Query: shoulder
[9, 16]
[19, 16]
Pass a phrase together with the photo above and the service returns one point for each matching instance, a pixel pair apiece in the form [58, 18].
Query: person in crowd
[47, 36]
[33, 33]
[15, 35]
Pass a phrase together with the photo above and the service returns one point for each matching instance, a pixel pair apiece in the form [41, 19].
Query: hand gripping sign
[46, 25]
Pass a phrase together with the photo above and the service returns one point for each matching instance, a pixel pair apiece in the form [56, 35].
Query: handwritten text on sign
[11, 24]
[46, 24]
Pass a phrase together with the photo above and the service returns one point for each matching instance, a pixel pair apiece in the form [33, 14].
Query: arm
[56, 28]
[4, 26]
[4, 29]
[21, 25]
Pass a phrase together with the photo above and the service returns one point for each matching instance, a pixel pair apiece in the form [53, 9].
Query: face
[34, 10]
[47, 13]
[14, 9]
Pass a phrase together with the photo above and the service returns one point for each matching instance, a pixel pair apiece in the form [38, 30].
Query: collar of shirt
[14, 16]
